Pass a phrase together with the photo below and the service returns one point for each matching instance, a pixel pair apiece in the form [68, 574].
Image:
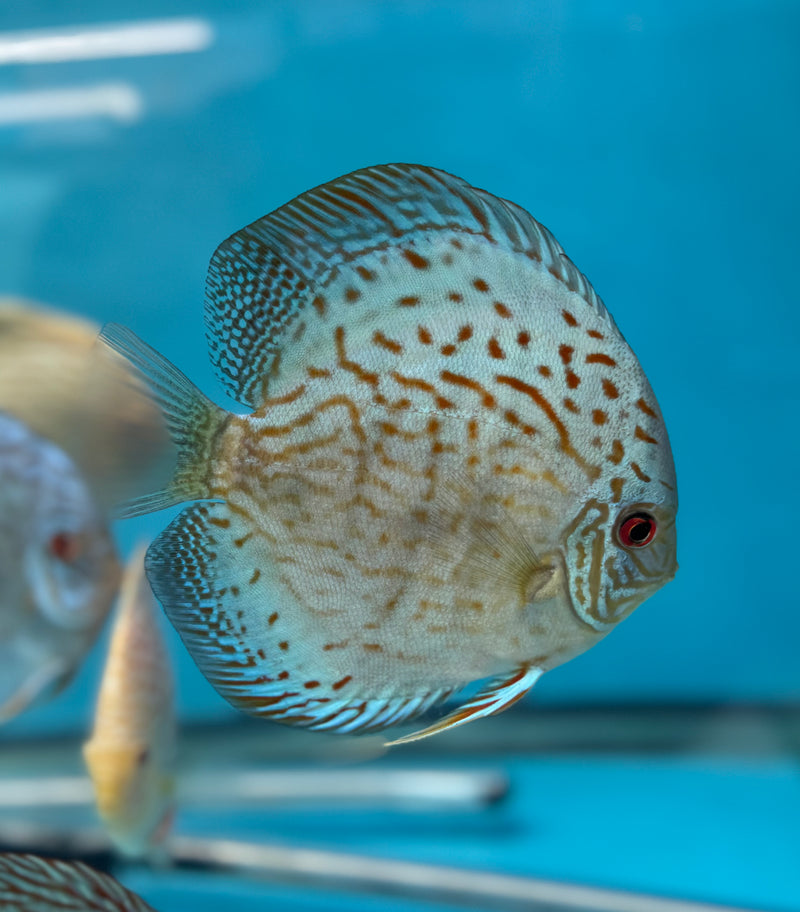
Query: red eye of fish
[65, 547]
[637, 530]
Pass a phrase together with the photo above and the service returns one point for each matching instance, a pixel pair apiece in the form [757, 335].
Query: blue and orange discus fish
[454, 470]
[29, 883]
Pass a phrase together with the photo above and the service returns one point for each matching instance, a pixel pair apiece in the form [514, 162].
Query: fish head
[621, 546]
[70, 562]
[134, 791]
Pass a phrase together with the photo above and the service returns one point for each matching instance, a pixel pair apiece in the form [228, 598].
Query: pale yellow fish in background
[58, 568]
[131, 751]
[65, 388]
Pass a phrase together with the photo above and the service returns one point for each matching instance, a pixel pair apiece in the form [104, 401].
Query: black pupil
[640, 530]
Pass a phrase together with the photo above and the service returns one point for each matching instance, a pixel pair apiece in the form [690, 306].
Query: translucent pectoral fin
[497, 695]
[47, 680]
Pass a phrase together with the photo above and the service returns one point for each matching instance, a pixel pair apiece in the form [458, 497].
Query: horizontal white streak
[129, 39]
[116, 100]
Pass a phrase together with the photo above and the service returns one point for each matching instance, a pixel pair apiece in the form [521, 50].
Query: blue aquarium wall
[658, 141]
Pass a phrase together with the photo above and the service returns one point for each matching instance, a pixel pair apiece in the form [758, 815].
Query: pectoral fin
[497, 695]
[47, 679]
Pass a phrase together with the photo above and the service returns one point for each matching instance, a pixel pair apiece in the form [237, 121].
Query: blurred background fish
[58, 567]
[63, 386]
[131, 751]
[29, 883]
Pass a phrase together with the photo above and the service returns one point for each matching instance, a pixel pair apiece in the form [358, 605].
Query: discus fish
[455, 468]
[132, 748]
[29, 883]
[58, 566]
[64, 387]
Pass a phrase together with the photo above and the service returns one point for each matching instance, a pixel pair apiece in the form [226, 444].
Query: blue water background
[658, 141]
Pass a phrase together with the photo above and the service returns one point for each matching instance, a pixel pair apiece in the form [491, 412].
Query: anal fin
[497, 695]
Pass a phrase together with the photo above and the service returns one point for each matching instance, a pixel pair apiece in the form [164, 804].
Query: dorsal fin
[263, 276]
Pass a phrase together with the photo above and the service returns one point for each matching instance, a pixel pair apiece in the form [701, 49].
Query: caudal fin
[193, 422]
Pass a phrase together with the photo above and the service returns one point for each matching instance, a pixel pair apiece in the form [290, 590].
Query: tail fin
[193, 421]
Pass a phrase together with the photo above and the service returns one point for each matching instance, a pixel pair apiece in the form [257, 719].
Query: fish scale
[449, 446]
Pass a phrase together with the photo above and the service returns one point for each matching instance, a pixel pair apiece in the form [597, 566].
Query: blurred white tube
[116, 100]
[126, 39]
[407, 790]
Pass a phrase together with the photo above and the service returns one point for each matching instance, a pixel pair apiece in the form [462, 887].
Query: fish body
[455, 467]
[30, 883]
[60, 383]
[131, 751]
[58, 566]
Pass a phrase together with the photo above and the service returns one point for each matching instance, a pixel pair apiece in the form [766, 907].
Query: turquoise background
[659, 141]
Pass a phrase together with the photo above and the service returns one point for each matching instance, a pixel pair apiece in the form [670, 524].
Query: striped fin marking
[496, 696]
[205, 583]
[264, 276]
[29, 883]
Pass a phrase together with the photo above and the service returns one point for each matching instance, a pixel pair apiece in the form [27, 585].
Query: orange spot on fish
[408, 301]
[494, 349]
[565, 353]
[641, 435]
[366, 274]
[617, 452]
[272, 618]
[417, 261]
[572, 379]
[255, 576]
[481, 285]
[448, 350]
[594, 334]
[464, 333]
[642, 476]
[283, 645]
[599, 416]
[523, 338]
[455, 296]
[319, 304]
[644, 407]
[568, 318]
[424, 335]
[372, 647]
[502, 310]
[600, 358]
[352, 294]
[610, 390]
[570, 405]
[337, 685]
[544, 370]
[309, 685]
[378, 338]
